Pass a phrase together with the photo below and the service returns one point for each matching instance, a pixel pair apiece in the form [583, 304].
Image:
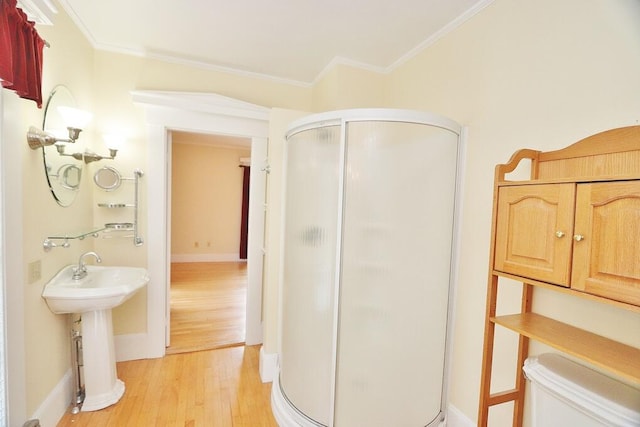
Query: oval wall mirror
[107, 178]
[63, 173]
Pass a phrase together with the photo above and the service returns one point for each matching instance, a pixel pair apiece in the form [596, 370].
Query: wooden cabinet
[582, 235]
[533, 235]
[574, 227]
[606, 250]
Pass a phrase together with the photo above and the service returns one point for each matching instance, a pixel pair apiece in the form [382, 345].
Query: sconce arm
[61, 147]
[93, 157]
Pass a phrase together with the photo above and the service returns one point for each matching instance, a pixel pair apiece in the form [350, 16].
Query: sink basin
[103, 288]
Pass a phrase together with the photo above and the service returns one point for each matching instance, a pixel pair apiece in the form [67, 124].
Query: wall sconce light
[114, 142]
[75, 120]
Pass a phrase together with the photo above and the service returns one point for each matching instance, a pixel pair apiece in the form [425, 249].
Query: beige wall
[45, 350]
[115, 76]
[279, 121]
[342, 87]
[101, 82]
[519, 74]
[206, 197]
[522, 74]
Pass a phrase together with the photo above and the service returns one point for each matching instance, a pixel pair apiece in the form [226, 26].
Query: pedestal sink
[93, 297]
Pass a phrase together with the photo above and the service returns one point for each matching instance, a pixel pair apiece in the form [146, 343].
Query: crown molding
[175, 59]
[450, 27]
[39, 11]
[339, 60]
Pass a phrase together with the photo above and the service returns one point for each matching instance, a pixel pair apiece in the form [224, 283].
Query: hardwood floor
[208, 378]
[208, 305]
[207, 388]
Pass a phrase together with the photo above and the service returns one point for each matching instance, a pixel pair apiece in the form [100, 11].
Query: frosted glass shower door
[396, 256]
[310, 240]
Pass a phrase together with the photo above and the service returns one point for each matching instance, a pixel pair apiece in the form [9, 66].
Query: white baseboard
[131, 347]
[268, 366]
[56, 403]
[455, 418]
[205, 257]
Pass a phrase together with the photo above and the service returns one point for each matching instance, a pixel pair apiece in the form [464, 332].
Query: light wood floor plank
[209, 388]
[208, 305]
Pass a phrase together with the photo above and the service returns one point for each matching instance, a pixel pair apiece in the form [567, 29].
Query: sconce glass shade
[74, 117]
[113, 141]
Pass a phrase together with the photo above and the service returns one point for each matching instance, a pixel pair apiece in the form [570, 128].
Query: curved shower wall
[368, 248]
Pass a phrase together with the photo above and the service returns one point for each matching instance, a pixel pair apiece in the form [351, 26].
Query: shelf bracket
[137, 240]
[49, 242]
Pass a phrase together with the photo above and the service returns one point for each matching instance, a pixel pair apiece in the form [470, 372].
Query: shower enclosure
[367, 269]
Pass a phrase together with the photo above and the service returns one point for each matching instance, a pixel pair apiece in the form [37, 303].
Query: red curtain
[20, 53]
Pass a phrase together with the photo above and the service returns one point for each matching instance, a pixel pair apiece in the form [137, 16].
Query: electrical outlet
[34, 272]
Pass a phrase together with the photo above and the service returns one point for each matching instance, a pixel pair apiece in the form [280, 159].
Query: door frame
[200, 113]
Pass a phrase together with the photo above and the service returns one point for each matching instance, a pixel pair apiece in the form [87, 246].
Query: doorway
[209, 233]
[200, 113]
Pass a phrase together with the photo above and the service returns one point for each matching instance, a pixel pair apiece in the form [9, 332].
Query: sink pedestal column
[102, 386]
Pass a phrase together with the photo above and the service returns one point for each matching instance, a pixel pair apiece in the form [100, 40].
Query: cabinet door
[533, 233]
[607, 240]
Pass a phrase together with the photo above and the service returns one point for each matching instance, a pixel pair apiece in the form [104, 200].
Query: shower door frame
[343, 118]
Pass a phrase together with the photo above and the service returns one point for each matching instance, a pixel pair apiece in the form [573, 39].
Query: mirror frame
[55, 165]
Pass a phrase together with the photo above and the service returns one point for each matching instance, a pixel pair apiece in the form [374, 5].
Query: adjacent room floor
[208, 305]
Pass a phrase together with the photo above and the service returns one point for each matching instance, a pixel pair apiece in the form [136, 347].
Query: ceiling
[292, 40]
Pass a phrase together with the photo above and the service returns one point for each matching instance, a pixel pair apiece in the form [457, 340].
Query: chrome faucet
[81, 270]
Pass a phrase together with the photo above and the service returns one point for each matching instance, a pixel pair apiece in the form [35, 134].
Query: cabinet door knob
[559, 234]
[578, 237]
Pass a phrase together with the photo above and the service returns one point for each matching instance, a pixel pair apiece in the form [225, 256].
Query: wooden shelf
[620, 359]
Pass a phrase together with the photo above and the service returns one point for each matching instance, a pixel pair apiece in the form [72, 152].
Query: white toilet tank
[567, 394]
